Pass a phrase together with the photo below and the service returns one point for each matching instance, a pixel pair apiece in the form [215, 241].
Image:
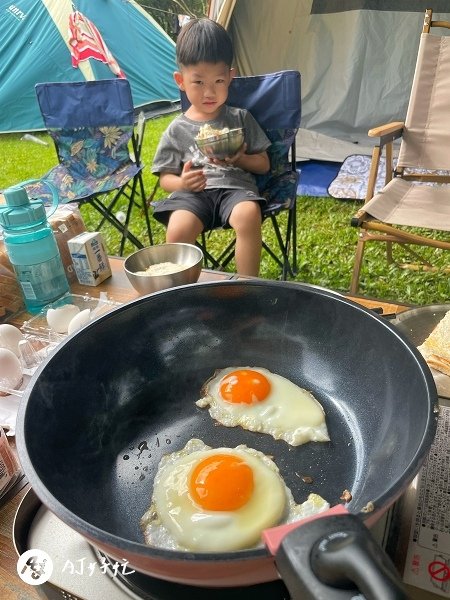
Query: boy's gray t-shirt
[177, 146]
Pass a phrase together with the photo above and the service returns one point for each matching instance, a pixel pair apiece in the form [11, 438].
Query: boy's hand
[193, 178]
[230, 160]
[253, 163]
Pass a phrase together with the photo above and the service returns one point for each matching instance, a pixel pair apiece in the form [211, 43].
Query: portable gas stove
[82, 572]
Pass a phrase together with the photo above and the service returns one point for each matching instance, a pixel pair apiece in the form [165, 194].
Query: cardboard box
[89, 258]
[66, 223]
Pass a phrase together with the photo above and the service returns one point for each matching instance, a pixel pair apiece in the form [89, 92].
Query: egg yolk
[244, 386]
[221, 482]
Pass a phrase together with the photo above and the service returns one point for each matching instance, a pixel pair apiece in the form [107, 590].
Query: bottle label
[42, 281]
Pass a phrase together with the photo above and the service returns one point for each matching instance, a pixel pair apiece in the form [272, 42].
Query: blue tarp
[33, 49]
[316, 176]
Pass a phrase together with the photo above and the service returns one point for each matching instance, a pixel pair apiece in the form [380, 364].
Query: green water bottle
[31, 246]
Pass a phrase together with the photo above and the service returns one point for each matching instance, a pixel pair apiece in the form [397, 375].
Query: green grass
[326, 241]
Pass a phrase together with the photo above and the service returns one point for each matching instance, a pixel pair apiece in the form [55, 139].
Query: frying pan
[119, 394]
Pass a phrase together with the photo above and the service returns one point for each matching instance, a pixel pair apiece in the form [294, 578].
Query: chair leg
[359, 255]
[284, 247]
[389, 255]
[112, 219]
[209, 260]
[146, 210]
[294, 238]
[127, 218]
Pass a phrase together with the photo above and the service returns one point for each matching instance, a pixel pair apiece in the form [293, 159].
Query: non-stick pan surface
[121, 393]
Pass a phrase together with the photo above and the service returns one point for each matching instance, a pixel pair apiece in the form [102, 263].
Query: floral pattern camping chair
[92, 125]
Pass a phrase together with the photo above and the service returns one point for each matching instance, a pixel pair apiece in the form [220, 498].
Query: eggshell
[79, 320]
[10, 337]
[10, 371]
[59, 318]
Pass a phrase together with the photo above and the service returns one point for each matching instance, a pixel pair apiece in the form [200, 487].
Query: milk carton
[89, 257]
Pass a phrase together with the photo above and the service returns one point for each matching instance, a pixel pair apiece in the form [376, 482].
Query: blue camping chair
[275, 102]
[92, 124]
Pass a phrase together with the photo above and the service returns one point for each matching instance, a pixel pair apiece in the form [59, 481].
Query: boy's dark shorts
[213, 206]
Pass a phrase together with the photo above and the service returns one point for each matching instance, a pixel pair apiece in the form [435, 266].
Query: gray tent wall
[356, 58]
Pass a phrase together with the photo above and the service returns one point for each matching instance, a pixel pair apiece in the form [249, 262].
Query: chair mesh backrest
[90, 122]
[426, 138]
[274, 100]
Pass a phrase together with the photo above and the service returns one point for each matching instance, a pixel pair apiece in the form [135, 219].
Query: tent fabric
[34, 48]
[356, 59]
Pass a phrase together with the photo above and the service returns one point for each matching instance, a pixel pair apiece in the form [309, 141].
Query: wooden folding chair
[416, 192]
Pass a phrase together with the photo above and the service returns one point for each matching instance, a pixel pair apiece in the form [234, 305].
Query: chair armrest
[358, 219]
[388, 132]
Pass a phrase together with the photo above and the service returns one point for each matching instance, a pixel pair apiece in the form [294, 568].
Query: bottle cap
[16, 196]
[19, 211]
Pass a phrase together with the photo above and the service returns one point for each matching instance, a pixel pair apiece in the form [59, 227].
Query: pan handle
[333, 557]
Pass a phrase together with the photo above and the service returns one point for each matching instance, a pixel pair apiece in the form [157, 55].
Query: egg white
[175, 522]
[58, 318]
[289, 413]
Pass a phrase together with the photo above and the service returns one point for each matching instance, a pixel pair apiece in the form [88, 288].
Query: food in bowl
[182, 264]
[219, 143]
[256, 399]
[163, 268]
[219, 499]
[206, 131]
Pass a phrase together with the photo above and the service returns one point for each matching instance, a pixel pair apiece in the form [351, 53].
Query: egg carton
[33, 351]
[39, 326]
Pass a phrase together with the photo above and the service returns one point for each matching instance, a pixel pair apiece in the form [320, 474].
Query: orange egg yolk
[244, 386]
[221, 482]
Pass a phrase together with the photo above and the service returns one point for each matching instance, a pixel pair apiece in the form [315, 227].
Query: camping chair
[92, 124]
[274, 101]
[416, 192]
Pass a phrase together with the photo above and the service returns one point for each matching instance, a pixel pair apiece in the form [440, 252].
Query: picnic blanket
[353, 176]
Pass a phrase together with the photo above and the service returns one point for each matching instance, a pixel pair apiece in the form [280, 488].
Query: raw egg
[10, 371]
[10, 337]
[258, 400]
[79, 320]
[58, 319]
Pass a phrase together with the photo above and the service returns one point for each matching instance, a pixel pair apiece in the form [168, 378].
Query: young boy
[221, 192]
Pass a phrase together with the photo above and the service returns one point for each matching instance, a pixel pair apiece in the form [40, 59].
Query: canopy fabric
[356, 59]
[34, 48]
[86, 42]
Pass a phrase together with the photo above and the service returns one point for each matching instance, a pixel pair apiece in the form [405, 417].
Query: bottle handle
[51, 187]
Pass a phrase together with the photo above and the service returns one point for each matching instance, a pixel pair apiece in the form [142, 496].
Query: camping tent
[356, 59]
[34, 48]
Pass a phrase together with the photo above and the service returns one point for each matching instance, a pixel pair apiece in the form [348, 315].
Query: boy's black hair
[203, 40]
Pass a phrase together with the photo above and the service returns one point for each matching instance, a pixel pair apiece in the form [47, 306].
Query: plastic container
[38, 325]
[31, 246]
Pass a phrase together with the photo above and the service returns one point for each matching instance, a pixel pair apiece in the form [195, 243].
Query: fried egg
[261, 401]
[219, 500]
